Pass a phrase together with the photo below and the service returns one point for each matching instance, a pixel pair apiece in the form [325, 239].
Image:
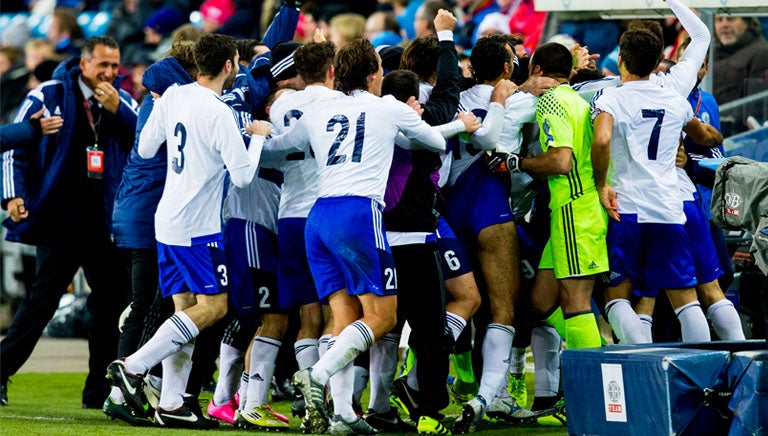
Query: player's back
[564, 120]
[463, 154]
[646, 135]
[299, 169]
[353, 138]
[196, 124]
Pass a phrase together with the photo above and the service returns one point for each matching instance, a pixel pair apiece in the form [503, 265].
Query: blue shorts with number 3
[347, 247]
[200, 268]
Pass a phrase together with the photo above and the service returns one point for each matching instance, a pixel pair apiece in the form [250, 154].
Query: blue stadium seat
[94, 23]
[39, 25]
[11, 18]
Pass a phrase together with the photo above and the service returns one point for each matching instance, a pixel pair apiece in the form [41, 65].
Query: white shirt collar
[87, 92]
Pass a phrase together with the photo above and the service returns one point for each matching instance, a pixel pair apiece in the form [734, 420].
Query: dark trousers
[107, 274]
[421, 300]
[148, 307]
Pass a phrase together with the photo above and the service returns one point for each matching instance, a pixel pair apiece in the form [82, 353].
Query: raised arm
[444, 100]
[682, 76]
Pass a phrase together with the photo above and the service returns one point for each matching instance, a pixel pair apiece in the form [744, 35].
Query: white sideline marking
[36, 418]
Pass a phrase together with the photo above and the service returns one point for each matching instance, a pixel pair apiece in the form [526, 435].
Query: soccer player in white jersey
[352, 137]
[485, 223]
[250, 244]
[202, 137]
[647, 240]
[296, 288]
[682, 77]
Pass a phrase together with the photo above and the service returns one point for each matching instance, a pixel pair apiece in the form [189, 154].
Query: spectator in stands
[37, 50]
[43, 72]
[524, 20]
[424, 24]
[345, 28]
[65, 34]
[382, 28]
[494, 24]
[475, 12]
[127, 27]
[158, 29]
[13, 82]
[15, 35]
[8, 57]
[59, 191]
[741, 62]
[215, 13]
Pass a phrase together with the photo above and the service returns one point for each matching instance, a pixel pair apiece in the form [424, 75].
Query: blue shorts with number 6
[347, 247]
[200, 268]
[252, 256]
[455, 261]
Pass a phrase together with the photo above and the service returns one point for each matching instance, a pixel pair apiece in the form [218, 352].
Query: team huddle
[362, 200]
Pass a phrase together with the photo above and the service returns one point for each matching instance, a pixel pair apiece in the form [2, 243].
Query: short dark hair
[401, 84]
[212, 52]
[313, 59]
[91, 44]
[353, 64]
[421, 57]
[245, 48]
[640, 49]
[554, 59]
[653, 26]
[488, 58]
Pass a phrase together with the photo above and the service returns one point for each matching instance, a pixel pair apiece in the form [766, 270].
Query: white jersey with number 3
[647, 124]
[353, 139]
[203, 137]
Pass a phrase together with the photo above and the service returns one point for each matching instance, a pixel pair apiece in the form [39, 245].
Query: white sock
[116, 395]
[306, 351]
[169, 338]
[456, 324]
[726, 320]
[342, 386]
[625, 322]
[647, 321]
[517, 361]
[230, 368]
[260, 370]
[242, 391]
[497, 347]
[353, 340]
[322, 345]
[693, 323]
[176, 368]
[383, 367]
[546, 343]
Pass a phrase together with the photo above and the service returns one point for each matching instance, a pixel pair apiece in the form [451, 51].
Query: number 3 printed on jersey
[179, 132]
[357, 152]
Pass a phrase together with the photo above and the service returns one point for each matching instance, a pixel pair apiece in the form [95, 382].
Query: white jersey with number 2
[353, 139]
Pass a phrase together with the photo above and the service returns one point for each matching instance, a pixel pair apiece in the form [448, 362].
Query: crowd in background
[145, 30]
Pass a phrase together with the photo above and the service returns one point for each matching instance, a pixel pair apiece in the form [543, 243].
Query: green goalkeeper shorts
[577, 245]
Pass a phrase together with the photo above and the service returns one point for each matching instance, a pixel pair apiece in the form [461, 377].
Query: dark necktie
[95, 111]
